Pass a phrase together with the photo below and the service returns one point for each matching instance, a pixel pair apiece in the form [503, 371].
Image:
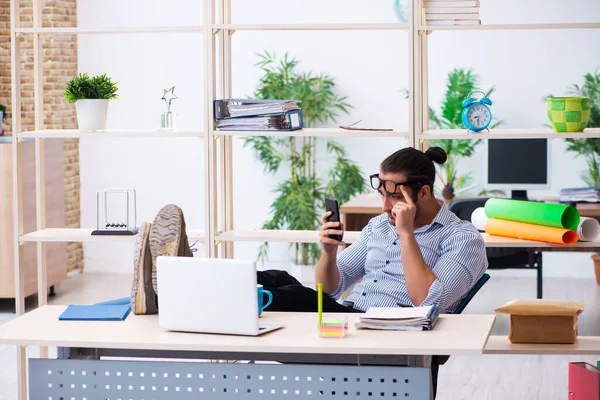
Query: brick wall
[60, 65]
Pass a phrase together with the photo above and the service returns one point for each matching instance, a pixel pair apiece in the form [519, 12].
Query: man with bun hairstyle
[416, 253]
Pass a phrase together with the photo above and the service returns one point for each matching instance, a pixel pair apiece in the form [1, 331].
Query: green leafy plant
[459, 84]
[589, 148]
[3, 110]
[300, 197]
[83, 87]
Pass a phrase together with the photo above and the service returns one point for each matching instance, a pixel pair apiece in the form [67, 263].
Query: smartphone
[333, 206]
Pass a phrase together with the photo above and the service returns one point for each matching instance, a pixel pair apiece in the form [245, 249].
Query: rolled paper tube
[588, 230]
[479, 219]
[532, 212]
[520, 230]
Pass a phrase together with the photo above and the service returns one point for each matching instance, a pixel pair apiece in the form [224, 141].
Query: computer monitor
[518, 165]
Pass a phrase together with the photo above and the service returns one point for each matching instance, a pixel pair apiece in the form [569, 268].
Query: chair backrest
[463, 208]
[478, 285]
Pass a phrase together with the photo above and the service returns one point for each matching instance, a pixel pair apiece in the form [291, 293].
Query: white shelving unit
[219, 234]
[109, 133]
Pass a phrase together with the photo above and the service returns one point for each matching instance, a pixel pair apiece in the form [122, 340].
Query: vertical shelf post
[210, 161]
[15, 48]
[225, 142]
[40, 174]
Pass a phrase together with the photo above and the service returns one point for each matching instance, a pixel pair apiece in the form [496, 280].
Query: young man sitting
[416, 253]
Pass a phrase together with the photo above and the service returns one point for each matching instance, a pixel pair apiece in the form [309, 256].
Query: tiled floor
[463, 377]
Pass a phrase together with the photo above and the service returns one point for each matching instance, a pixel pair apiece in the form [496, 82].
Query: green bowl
[569, 114]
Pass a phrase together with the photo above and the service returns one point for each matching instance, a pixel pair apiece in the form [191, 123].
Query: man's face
[389, 200]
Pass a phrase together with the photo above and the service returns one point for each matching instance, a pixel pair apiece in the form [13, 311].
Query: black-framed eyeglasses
[390, 187]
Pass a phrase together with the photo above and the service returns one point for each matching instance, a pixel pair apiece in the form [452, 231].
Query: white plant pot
[91, 114]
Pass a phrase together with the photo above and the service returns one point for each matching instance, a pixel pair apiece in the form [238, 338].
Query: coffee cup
[260, 291]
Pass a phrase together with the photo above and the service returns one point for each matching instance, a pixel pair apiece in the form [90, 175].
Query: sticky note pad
[334, 327]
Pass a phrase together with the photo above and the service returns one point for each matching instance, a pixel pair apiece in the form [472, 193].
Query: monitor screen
[518, 163]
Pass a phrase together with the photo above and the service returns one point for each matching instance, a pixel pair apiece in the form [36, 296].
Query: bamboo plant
[300, 197]
[460, 83]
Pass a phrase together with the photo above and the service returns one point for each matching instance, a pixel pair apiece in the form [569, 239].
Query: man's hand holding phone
[328, 244]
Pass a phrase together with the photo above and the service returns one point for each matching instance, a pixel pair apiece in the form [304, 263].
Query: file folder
[287, 121]
[584, 381]
[236, 108]
[110, 312]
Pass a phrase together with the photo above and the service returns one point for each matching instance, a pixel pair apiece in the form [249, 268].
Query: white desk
[298, 342]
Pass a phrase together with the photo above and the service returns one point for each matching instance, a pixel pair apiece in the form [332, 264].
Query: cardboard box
[542, 320]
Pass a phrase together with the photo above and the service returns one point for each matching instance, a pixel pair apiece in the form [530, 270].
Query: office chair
[501, 257]
[436, 361]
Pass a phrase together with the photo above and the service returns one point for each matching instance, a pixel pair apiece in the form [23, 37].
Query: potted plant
[460, 83]
[91, 96]
[589, 148]
[300, 198]
[2, 117]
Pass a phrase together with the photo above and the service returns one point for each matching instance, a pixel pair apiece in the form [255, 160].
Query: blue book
[96, 312]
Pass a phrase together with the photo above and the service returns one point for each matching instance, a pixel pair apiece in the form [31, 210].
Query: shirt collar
[443, 217]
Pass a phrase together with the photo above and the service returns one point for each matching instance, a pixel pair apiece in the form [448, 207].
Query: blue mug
[260, 290]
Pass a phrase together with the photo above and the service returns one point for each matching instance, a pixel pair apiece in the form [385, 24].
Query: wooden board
[453, 334]
[583, 345]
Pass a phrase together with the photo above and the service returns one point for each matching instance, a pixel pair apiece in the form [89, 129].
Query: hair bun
[437, 155]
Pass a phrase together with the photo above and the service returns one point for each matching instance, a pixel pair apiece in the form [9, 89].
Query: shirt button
[387, 261]
[364, 294]
[394, 243]
[375, 280]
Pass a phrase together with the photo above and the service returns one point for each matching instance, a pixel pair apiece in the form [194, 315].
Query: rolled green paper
[532, 212]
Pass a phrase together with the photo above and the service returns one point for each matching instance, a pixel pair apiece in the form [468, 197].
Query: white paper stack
[586, 194]
[401, 319]
[451, 12]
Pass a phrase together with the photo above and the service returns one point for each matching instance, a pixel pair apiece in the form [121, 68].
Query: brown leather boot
[168, 237]
[143, 295]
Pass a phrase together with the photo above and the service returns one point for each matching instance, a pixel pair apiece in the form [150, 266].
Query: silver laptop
[208, 295]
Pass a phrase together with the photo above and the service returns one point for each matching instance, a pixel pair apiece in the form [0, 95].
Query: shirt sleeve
[351, 262]
[462, 263]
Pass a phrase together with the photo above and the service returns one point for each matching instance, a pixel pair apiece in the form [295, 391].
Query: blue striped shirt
[452, 248]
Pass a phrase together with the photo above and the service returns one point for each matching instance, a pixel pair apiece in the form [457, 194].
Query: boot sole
[165, 235]
[142, 293]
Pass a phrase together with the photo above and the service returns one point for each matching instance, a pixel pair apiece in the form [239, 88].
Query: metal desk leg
[535, 261]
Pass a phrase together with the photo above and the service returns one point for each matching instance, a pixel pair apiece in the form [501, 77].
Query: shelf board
[315, 27]
[286, 236]
[121, 133]
[492, 27]
[293, 236]
[128, 29]
[85, 235]
[319, 132]
[536, 133]
[583, 345]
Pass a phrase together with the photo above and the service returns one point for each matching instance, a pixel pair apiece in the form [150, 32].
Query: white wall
[369, 67]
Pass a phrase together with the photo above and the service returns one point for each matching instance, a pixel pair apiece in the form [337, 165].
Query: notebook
[96, 312]
[399, 318]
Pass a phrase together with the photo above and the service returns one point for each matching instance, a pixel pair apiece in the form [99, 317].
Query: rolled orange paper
[520, 230]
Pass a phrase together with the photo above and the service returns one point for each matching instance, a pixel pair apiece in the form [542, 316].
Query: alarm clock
[476, 115]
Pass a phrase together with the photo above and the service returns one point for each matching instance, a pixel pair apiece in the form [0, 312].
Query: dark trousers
[291, 295]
